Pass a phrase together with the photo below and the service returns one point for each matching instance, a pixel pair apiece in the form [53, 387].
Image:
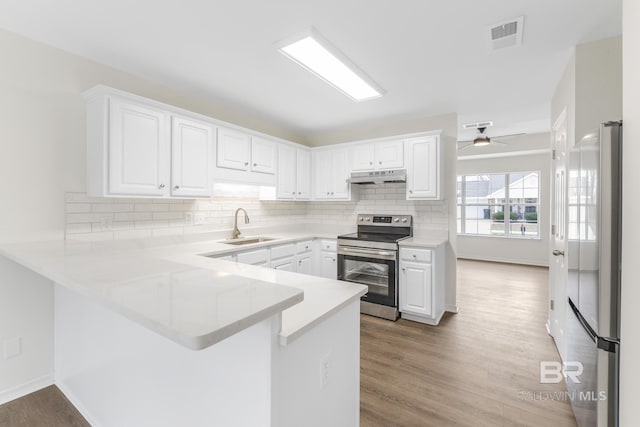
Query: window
[485, 199]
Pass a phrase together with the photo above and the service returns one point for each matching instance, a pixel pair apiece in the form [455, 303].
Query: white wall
[26, 313]
[630, 318]
[503, 249]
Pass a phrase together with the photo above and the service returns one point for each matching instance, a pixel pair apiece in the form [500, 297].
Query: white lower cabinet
[329, 265]
[421, 284]
[305, 263]
[286, 264]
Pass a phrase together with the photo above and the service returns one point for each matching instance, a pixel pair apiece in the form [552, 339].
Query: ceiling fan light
[481, 141]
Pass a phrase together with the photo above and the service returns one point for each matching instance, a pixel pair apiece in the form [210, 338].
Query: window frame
[461, 206]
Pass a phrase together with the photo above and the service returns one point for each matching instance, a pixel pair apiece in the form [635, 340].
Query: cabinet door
[423, 168]
[339, 174]
[286, 264]
[305, 264]
[303, 174]
[362, 157]
[329, 265]
[322, 174]
[416, 288]
[139, 149]
[233, 149]
[192, 158]
[389, 154]
[263, 155]
[286, 172]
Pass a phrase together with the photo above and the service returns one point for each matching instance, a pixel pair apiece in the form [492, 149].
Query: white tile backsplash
[89, 218]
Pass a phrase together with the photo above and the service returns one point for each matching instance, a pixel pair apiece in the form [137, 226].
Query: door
[558, 267]
[305, 264]
[234, 149]
[416, 288]
[339, 173]
[263, 155]
[322, 174]
[423, 168]
[139, 149]
[379, 275]
[362, 158]
[192, 158]
[303, 174]
[329, 265]
[389, 154]
[286, 172]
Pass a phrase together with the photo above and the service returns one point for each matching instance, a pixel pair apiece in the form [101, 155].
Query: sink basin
[247, 240]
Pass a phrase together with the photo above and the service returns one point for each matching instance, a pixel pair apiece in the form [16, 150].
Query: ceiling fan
[482, 139]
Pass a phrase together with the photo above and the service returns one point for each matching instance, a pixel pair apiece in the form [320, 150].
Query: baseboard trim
[505, 260]
[427, 320]
[26, 388]
[78, 405]
[452, 308]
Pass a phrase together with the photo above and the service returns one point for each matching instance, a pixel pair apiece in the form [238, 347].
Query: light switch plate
[12, 347]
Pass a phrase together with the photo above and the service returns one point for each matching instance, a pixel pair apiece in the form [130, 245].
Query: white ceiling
[431, 56]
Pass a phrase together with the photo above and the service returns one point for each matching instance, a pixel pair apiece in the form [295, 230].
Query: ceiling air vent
[477, 125]
[506, 34]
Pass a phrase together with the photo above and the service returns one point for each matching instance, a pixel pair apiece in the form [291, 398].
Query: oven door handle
[371, 254]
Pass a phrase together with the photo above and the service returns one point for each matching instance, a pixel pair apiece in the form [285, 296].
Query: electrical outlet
[188, 218]
[324, 372]
[12, 347]
[199, 218]
[105, 224]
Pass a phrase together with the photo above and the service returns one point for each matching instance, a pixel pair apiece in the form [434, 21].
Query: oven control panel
[385, 220]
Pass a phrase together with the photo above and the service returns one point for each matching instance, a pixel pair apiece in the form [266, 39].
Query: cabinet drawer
[328, 245]
[305, 246]
[231, 257]
[254, 257]
[283, 251]
[417, 255]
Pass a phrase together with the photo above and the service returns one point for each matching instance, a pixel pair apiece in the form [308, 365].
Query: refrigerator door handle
[583, 322]
[608, 344]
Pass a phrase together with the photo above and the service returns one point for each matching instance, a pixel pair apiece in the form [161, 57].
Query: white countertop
[166, 286]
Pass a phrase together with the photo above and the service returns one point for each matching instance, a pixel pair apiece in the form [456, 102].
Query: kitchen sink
[247, 240]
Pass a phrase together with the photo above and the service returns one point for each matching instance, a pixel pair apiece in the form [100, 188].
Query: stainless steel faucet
[236, 233]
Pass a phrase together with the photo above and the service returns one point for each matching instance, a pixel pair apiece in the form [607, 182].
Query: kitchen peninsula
[176, 338]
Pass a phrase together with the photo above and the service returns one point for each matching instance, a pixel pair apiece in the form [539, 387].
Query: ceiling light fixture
[313, 52]
[481, 139]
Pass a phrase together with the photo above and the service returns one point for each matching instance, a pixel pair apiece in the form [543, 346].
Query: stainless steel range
[370, 257]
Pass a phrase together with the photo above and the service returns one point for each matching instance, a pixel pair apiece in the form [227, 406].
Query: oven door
[375, 268]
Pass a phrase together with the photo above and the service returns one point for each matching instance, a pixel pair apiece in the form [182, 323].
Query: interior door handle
[556, 252]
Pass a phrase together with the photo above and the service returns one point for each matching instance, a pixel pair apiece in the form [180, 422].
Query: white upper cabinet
[330, 172]
[263, 155]
[423, 168]
[377, 156]
[240, 151]
[139, 149]
[389, 154]
[286, 189]
[192, 145]
[234, 149]
[294, 173]
[303, 174]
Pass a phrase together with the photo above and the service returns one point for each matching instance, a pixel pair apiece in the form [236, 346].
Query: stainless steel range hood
[378, 177]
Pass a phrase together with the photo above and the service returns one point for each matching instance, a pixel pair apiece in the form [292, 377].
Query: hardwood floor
[479, 367]
[472, 370]
[44, 408]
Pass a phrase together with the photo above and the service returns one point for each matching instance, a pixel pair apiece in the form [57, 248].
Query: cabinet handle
[332, 193]
[299, 192]
[404, 269]
[380, 163]
[255, 164]
[415, 256]
[161, 186]
[306, 248]
[246, 163]
[334, 260]
[300, 262]
[294, 193]
[371, 163]
[177, 187]
[410, 191]
[328, 193]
